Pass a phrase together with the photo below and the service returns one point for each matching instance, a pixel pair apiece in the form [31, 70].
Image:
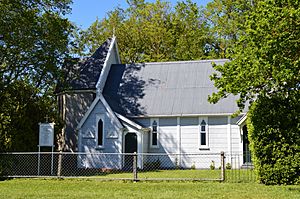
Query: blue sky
[85, 12]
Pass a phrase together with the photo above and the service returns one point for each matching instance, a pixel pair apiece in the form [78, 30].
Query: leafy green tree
[151, 32]
[274, 132]
[264, 70]
[34, 42]
[190, 32]
[226, 19]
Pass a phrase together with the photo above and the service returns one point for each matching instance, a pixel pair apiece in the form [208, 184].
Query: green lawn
[231, 175]
[79, 188]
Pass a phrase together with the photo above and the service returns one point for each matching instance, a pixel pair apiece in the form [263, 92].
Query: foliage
[226, 19]
[212, 165]
[275, 139]
[265, 59]
[151, 32]
[264, 68]
[193, 167]
[21, 110]
[35, 41]
[228, 166]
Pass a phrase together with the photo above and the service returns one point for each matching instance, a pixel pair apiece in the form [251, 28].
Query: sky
[85, 12]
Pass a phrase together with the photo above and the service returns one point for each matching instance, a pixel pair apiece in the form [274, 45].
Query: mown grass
[231, 175]
[93, 188]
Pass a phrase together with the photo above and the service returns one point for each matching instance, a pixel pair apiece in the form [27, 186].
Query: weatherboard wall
[75, 105]
[112, 142]
[181, 135]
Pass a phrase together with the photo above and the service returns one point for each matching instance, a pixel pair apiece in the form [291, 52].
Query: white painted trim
[178, 135]
[91, 108]
[157, 121]
[100, 117]
[178, 142]
[206, 132]
[183, 115]
[193, 61]
[110, 111]
[63, 130]
[229, 144]
[117, 51]
[105, 66]
[242, 120]
[121, 117]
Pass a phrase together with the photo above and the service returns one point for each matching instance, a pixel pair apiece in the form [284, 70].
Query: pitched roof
[164, 89]
[84, 74]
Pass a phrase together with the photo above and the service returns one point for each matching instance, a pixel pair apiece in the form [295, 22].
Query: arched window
[203, 134]
[100, 132]
[154, 134]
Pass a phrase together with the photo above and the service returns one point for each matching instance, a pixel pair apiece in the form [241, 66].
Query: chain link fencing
[128, 166]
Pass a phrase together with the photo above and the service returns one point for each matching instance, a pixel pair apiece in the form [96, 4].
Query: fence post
[222, 166]
[134, 167]
[59, 164]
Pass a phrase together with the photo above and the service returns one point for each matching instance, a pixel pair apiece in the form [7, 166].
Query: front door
[246, 150]
[130, 147]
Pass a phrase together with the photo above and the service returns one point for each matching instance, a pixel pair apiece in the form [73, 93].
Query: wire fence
[128, 166]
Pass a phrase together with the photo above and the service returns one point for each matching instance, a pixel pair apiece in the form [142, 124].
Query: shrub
[212, 165]
[193, 167]
[228, 166]
[274, 134]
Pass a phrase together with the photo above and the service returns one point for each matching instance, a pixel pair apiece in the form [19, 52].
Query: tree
[151, 32]
[190, 31]
[264, 69]
[274, 128]
[226, 19]
[34, 43]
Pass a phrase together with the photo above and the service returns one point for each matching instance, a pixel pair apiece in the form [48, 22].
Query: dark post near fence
[59, 164]
[222, 166]
[134, 167]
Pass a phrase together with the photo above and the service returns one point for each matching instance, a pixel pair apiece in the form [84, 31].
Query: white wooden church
[157, 108]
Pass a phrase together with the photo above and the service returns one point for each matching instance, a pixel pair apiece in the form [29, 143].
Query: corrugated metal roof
[84, 74]
[162, 89]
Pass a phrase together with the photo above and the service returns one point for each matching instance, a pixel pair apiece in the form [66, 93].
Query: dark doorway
[130, 147]
[246, 150]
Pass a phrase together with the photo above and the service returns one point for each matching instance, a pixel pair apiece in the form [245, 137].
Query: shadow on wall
[77, 105]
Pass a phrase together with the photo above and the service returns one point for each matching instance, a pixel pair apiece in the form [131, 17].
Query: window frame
[98, 118]
[157, 133]
[206, 132]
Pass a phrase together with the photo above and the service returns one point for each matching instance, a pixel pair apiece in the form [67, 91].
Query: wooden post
[59, 164]
[134, 168]
[222, 166]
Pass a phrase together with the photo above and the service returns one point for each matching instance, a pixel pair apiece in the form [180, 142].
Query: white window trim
[157, 121]
[98, 117]
[206, 131]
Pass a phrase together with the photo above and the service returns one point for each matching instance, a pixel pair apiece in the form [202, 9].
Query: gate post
[222, 166]
[134, 167]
